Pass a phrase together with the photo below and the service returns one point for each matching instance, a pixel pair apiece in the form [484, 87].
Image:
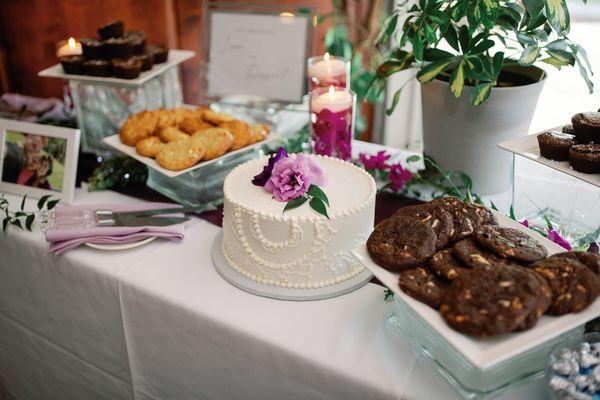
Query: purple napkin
[66, 238]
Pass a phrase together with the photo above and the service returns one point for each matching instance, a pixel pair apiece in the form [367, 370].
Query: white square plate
[486, 353]
[527, 146]
[176, 57]
[116, 143]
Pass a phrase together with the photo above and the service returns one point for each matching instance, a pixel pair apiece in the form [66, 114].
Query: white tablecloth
[158, 322]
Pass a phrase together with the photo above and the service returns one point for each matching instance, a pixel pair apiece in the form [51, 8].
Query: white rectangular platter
[489, 352]
[527, 146]
[116, 143]
[175, 58]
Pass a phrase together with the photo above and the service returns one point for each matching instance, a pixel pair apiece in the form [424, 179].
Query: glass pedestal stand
[101, 108]
[570, 204]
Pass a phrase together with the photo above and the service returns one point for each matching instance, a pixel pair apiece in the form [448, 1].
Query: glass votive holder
[326, 70]
[332, 121]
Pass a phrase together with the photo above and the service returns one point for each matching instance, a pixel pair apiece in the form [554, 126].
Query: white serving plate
[175, 58]
[527, 146]
[120, 246]
[486, 353]
[116, 143]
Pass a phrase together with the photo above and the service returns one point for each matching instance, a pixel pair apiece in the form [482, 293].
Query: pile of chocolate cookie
[116, 52]
[578, 143]
[484, 279]
[181, 137]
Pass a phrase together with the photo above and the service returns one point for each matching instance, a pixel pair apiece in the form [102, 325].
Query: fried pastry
[179, 155]
[240, 131]
[149, 147]
[172, 134]
[215, 141]
[138, 127]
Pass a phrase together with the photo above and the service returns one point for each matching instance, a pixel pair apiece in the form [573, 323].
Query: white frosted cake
[298, 248]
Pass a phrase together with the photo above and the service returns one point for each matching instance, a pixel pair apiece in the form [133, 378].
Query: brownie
[146, 59]
[159, 52]
[510, 243]
[439, 219]
[126, 69]
[487, 302]
[111, 30]
[402, 242]
[422, 285]
[97, 67]
[585, 158]
[587, 127]
[138, 41]
[93, 49]
[119, 48]
[574, 286]
[568, 129]
[72, 64]
[555, 145]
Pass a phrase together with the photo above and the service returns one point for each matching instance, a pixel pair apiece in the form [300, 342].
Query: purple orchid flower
[398, 176]
[555, 237]
[525, 223]
[262, 178]
[376, 162]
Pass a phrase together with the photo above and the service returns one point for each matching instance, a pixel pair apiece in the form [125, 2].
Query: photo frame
[246, 52]
[38, 159]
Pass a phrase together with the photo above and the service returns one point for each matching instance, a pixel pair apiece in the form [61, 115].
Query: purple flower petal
[375, 162]
[555, 237]
[262, 178]
[292, 176]
[525, 223]
[398, 177]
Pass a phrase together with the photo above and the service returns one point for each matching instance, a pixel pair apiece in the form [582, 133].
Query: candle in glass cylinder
[328, 71]
[331, 121]
[69, 47]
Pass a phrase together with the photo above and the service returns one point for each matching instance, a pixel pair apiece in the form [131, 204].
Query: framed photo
[255, 52]
[37, 159]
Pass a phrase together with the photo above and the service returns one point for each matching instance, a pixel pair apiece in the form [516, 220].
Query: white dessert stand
[275, 292]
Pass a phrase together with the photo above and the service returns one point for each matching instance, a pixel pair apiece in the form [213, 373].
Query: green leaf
[5, 222]
[42, 201]
[463, 37]
[534, 7]
[493, 206]
[457, 80]
[498, 62]
[526, 40]
[480, 93]
[438, 17]
[52, 204]
[434, 54]
[430, 35]
[430, 71]
[17, 223]
[558, 15]
[29, 221]
[388, 295]
[452, 38]
[563, 56]
[511, 213]
[316, 191]
[417, 45]
[295, 203]
[482, 47]
[529, 55]
[490, 8]
[395, 101]
[413, 158]
[318, 205]
[559, 44]
[23, 202]
[459, 10]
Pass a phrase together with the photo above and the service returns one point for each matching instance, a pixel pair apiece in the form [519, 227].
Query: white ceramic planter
[463, 137]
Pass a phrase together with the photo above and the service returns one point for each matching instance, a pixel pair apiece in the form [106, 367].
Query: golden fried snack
[149, 147]
[215, 117]
[172, 134]
[166, 119]
[193, 124]
[137, 127]
[240, 131]
[179, 155]
[215, 141]
[181, 113]
[258, 132]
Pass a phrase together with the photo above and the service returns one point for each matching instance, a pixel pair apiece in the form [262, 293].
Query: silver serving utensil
[140, 213]
[132, 220]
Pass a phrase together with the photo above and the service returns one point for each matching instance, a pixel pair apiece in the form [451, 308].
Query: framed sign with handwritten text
[256, 52]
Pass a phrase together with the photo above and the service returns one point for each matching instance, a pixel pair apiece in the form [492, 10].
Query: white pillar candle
[70, 48]
[334, 100]
[327, 69]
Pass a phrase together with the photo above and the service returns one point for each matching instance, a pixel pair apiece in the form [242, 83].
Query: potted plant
[478, 61]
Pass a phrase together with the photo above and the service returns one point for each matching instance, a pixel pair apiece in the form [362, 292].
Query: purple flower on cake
[262, 178]
[555, 237]
[376, 162]
[398, 177]
[291, 177]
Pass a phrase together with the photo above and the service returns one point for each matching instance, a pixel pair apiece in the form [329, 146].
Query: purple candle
[332, 122]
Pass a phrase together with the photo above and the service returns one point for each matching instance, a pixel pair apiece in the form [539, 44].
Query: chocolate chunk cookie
[422, 285]
[544, 301]
[465, 217]
[439, 219]
[487, 302]
[590, 260]
[445, 265]
[574, 286]
[510, 243]
[399, 243]
[474, 255]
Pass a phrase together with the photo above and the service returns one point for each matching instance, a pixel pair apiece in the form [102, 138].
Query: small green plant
[473, 42]
[23, 219]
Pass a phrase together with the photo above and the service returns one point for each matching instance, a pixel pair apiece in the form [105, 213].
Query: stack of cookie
[182, 137]
[578, 143]
[484, 279]
[116, 52]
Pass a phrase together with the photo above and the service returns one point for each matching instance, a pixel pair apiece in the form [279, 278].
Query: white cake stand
[274, 292]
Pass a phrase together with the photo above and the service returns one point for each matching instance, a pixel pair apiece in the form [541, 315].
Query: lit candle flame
[326, 57]
[71, 42]
[331, 91]
[286, 14]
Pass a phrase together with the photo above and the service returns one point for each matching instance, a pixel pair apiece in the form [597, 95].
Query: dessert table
[158, 322]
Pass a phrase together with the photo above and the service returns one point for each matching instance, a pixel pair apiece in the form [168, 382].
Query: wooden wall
[29, 30]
